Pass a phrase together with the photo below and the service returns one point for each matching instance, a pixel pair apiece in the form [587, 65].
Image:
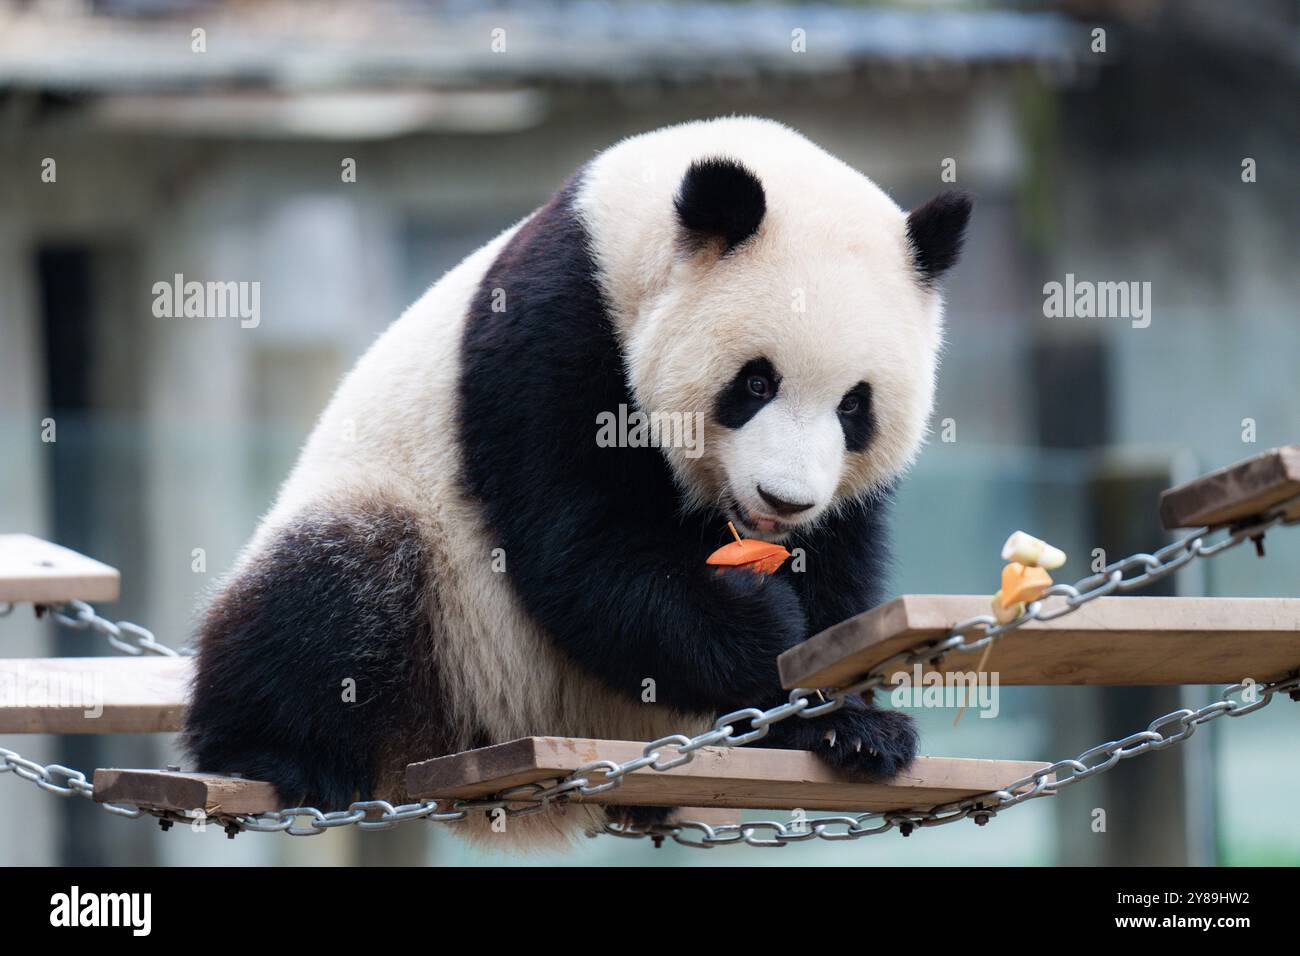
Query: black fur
[737, 404]
[859, 425]
[720, 199]
[847, 559]
[337, 596]
[598, 548]
[936, 232]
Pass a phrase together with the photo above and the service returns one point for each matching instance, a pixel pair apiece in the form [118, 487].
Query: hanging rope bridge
[1235, 505]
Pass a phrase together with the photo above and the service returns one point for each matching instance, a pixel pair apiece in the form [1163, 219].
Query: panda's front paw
[864, 742]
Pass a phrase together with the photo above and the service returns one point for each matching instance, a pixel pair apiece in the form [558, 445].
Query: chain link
[973, 634]
[126, 637]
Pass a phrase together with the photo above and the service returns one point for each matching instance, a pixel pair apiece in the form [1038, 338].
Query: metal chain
[1045, 782]
[44, 776]
[677, 749]
[126, 637]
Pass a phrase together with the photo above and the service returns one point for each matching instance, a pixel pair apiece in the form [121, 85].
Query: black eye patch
[856, 417]
[741, 399]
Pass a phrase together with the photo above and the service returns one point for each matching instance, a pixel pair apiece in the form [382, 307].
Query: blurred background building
[1156, 151]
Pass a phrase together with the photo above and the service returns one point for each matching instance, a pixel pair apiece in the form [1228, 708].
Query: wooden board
[216, 793]
[173, 790]
[1111, 640]
[713, 816]
[93, 695]
[743, 777]
[38, 572]
[1234, 493]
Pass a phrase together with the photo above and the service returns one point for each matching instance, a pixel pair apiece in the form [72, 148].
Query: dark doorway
[96, 475]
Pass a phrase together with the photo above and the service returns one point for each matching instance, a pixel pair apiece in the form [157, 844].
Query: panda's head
[796, 309]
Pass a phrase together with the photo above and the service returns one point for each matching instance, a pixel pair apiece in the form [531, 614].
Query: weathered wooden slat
[216, 793]
[173, 790]
[742, 778]
[1234, 493]
[38, 572]
[93, 695]
[1111, 640]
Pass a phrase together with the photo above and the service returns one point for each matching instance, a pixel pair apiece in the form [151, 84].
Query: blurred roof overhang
[291, 67]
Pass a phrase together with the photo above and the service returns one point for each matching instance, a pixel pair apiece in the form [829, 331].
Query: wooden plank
[173, 790]
[213, 793]
[713, 816]
[1111, 640]
[1232, 494]
[38, 572]
[742, 778]
[216, 793]
[93, 695]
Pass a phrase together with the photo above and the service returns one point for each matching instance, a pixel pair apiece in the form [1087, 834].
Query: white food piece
[1032, 552]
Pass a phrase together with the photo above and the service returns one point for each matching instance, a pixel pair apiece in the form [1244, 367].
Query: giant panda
[456, 561]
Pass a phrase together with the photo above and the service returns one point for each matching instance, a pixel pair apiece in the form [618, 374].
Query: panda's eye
[849, 404]
[759, 386]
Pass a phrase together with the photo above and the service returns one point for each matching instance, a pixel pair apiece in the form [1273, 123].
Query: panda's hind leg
[315, 665]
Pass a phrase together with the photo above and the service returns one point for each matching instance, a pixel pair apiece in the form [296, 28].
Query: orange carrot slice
[761, 557]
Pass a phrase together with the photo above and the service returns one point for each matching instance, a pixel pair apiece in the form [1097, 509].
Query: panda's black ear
[719, 199]
[936, 231]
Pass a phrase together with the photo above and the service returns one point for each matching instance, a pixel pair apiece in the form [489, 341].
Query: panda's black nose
[780, 505]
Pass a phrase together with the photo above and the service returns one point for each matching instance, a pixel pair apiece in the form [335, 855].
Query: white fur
[686, 325]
